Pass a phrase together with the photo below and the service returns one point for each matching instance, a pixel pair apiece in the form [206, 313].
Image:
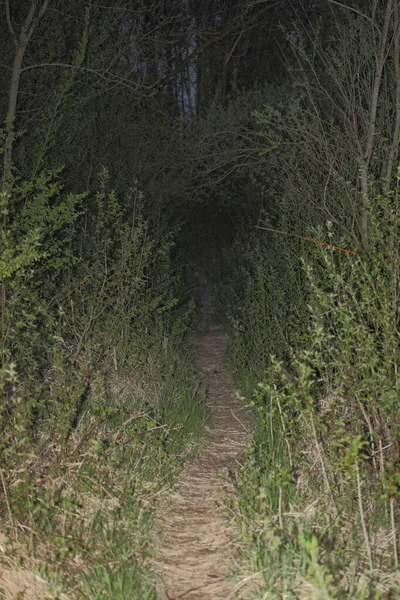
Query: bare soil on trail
[196, 555]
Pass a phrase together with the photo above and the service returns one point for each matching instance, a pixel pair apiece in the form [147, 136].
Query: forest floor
[196, 556]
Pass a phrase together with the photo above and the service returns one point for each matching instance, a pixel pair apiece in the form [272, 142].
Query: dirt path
[196, 556]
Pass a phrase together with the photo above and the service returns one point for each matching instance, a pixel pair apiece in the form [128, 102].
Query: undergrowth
[318, 489]
[100, 406]
[82, 511]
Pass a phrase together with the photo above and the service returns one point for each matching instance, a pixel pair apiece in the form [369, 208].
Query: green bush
[322, 477]
[99, 405]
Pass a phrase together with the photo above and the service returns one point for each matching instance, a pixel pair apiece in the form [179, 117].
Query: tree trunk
[396, 132]
[369, 146]
[34, 15]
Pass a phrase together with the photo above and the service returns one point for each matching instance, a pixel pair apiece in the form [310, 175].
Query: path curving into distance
[195, 557]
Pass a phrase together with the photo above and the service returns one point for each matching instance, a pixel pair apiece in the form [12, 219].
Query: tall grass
[318, 489]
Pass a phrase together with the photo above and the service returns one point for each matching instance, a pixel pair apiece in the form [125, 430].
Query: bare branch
[210, 42]
[105, 74]
[396, 132]
[351, 8]
[44, 8]
[10, 27]
[27, 30]
[28, 27]
[366, 159]
[308, 239]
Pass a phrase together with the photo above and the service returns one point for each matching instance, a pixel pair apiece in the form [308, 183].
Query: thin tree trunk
[396, 133]
[369, 146]
[12, 105]
[34, 15]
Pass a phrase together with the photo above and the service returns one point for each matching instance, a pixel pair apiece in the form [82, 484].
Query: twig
[322, 462]
[280, 508]
[285, 436]
[10, 27]
[308, 239]
[358, 12]
[193, 589]
[393, 524]
[7, 501]
[362, 516]
[138, 416]
[97, 483]
[239, 421]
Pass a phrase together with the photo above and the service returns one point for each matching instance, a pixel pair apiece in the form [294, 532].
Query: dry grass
[22, 583]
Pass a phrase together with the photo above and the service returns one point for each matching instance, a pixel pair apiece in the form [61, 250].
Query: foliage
[98, 406]
[262, 309]
[317, 489]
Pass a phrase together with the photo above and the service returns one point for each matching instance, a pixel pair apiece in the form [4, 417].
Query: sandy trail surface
[196, 554]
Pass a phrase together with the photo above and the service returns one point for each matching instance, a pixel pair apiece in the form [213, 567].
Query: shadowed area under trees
[167, 166]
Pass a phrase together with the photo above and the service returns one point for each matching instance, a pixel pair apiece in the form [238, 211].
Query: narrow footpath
[196, 558]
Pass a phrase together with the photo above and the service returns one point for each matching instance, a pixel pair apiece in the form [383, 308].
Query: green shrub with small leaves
[99, 407]
[322, 475]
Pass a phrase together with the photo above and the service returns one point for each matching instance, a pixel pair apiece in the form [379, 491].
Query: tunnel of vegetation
[157, 156]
